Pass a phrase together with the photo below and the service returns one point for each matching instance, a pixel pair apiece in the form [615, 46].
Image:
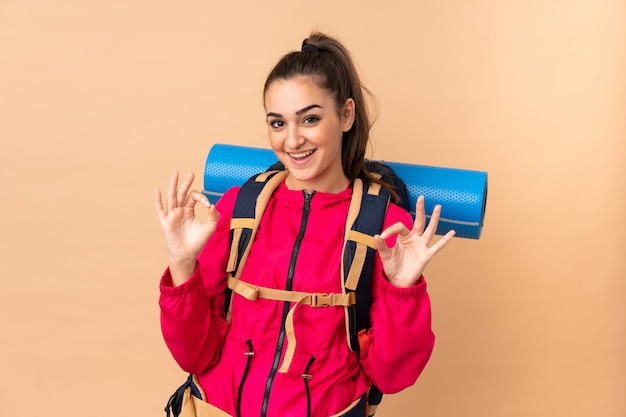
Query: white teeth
[301, 155]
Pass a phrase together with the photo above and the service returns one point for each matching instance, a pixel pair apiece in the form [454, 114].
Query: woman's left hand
[405, 262]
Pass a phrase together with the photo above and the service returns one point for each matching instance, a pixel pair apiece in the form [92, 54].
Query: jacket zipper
[286, 306]
[306, 377]
[249, 354]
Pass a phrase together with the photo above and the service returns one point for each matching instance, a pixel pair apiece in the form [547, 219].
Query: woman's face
[305, 131]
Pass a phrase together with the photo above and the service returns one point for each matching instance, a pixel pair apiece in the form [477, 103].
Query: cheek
[276, 144]
[274, 138]
[333, 136]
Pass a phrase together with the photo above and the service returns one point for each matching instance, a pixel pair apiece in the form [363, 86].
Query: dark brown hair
[331, 67]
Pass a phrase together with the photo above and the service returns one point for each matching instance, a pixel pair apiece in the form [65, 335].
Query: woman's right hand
[185, 235]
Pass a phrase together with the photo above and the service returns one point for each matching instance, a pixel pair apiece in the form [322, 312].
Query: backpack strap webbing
[365, 219]
[252, 292]
[250, 204]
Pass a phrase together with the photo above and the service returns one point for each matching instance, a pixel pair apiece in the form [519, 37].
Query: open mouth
[301, 155]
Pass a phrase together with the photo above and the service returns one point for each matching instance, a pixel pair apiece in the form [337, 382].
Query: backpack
[366, 215]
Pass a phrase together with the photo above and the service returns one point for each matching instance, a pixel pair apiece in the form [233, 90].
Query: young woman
[318, 127]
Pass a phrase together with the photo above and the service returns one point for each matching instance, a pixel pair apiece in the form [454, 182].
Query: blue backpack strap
[175, 403]
[250, 204]
[365, 219]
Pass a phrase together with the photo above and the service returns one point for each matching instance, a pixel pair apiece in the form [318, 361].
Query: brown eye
[311, 119]
[276, 124]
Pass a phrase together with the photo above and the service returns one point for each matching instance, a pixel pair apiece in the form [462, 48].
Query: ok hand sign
[185, 235]
[405, 262]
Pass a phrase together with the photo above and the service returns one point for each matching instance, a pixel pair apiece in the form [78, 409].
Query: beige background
[101, 100]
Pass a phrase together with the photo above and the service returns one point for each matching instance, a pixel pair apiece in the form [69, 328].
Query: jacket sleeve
[400, 341]
[192, 314]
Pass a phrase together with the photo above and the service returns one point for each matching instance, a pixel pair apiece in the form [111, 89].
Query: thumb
[214, 215]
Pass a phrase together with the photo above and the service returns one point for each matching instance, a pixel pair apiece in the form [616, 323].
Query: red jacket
[399, 343]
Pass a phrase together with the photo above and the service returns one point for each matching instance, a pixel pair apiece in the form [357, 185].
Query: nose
[295, 138]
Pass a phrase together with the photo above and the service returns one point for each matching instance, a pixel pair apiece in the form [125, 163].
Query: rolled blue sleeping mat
[461, 193]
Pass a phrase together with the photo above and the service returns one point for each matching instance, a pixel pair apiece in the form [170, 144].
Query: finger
[383, 250]
[158, 202]
[441, 243]
[197, 197]
[430, 231]
[184, 188]
[396, 228]
[171, 191]
[420, 216]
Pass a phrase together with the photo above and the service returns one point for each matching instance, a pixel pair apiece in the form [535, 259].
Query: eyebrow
[299, 112]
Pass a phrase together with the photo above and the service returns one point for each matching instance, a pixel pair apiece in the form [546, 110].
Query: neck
[334, 187]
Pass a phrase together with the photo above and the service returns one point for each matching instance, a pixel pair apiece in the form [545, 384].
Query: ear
[348, 114]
